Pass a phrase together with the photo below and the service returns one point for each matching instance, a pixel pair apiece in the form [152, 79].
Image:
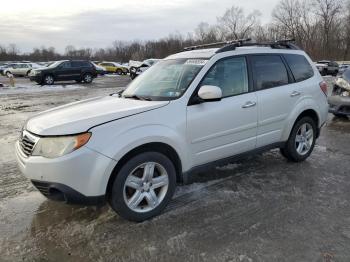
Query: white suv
[190, 110]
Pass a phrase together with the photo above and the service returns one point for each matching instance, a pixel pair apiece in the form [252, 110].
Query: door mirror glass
[210, 93]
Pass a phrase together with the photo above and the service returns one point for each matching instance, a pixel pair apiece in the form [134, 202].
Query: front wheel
[49, 80]
[143, 186]
[301, 141]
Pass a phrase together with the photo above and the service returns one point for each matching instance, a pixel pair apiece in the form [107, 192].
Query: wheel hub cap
[304, 139]
[145, 187]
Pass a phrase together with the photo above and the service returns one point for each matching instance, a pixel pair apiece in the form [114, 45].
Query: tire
[299, 151]
[8, 74]
[87, 78]
[119, 71]
[27, 74]
[48, 80]
[143, 189]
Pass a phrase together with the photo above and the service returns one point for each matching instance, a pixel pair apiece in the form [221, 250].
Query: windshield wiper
[119, 93]
[138, 97]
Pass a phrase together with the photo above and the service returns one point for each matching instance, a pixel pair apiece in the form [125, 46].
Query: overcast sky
[96, 23]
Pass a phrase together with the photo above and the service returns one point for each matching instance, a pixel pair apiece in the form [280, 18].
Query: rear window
[269, 71]
[300, 67]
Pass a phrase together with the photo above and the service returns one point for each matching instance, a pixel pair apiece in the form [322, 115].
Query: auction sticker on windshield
[199, 62]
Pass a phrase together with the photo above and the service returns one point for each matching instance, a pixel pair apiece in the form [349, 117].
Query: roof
[208, 53]
[198, 53]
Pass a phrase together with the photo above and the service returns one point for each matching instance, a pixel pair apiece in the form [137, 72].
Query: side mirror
[210, 93]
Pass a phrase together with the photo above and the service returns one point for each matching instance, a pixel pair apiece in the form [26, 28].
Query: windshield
[166, 80]
[54, 64]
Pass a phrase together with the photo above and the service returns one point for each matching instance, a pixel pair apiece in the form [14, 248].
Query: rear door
[276, 97]
[281, 81]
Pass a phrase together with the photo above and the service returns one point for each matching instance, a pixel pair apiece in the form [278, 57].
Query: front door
[217, 130]
[65, 71]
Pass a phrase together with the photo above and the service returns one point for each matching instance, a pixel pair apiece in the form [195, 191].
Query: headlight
[52, 147]
[345, 93]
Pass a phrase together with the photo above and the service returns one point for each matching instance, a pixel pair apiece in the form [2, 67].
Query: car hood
[80, 116]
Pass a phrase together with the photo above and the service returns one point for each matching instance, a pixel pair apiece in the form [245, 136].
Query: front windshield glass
[166, 80]
[54, 64]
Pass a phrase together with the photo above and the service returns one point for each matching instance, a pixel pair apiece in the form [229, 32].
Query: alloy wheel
[49, 80]
[304, 139]
[145, 187]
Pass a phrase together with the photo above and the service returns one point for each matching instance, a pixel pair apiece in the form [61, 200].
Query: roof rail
[279, 44]
[218, 44]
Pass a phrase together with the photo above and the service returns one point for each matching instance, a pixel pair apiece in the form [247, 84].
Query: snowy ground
[262, 208]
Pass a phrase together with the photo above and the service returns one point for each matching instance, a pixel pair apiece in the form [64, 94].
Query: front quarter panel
[165, 125]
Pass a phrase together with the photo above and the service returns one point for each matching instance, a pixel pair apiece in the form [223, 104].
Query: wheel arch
[159, 147]
[310, 112]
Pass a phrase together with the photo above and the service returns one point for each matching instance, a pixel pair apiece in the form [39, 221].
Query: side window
[230, 75]
[269, 71]
[66, 65]
[301, 69]
[76, 64]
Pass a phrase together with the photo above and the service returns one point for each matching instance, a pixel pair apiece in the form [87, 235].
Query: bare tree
[234, 24]
[328, 12]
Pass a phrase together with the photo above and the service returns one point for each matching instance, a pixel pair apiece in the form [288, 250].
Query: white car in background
[137, 68]
[20, 69]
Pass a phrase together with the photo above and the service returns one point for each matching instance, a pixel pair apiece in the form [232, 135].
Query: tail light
[324, 87]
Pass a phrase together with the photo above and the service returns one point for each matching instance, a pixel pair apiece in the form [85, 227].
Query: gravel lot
[260, 209]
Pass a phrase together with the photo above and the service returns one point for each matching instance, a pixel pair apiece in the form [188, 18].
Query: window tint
[269, 71]
[66, 65]
[300, 67]
[76, 64]
[230, 75]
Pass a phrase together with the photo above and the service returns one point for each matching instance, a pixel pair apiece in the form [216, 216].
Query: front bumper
[339, 105]
[36, 78]
[80, 177]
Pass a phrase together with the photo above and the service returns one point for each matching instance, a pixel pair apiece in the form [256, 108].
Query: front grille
[27, 143]
[42, 187]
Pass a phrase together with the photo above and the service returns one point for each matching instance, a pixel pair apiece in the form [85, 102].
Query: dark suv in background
[80, 71]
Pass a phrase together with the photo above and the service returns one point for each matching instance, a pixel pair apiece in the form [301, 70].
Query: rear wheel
[119, 71]
[87, 78]
[301, 141]
[143, 186]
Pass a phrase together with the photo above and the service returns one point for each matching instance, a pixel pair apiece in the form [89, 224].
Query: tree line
[320, 27]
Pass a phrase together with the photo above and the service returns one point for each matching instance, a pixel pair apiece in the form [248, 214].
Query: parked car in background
[99, 69]
[112, 67]
[326, 67]
[343, 68]
[188, 112]
[2, 67]
[136, 70]
[339, 101]
[18, 69]
[78, 70]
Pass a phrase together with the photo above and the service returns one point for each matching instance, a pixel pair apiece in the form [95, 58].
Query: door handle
[249, 104]
[295, 93]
